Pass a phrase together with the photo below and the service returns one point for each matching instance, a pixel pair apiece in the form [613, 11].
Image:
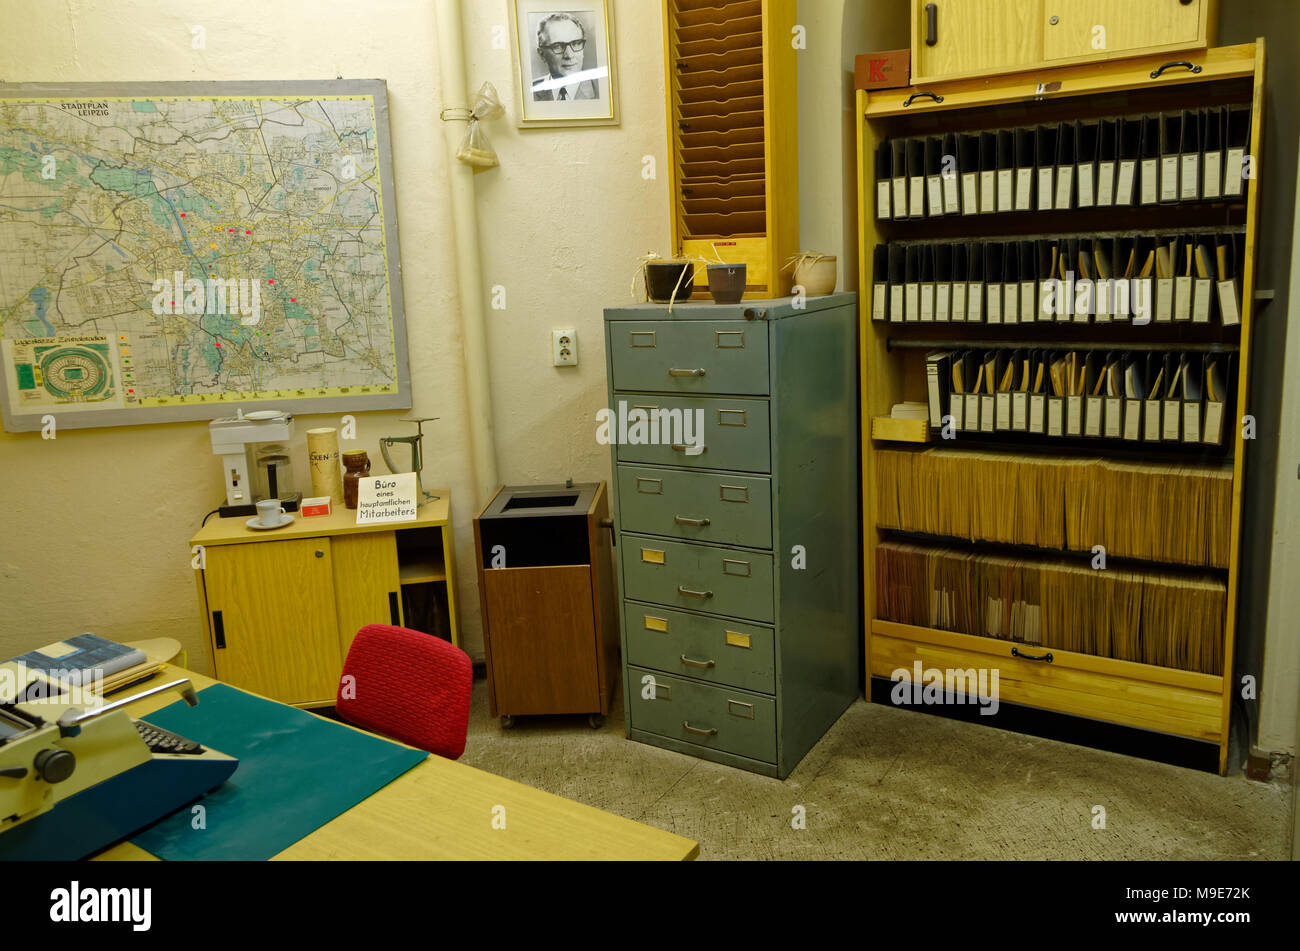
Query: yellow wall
[94, 524]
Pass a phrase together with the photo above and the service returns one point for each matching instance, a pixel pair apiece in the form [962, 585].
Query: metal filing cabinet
[738, 554]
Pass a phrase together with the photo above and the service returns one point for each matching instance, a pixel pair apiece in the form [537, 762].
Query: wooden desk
[441, 809]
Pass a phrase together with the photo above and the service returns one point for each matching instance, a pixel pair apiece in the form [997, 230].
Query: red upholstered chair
[411, 687]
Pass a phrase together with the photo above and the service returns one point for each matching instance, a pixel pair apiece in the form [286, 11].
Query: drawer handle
[698, 522]
[1016, 652]
[702, 664]
[931, 24]
[922, 95]
[677, 372]
[1182, 63]
[702, 595]
[690, 729]
[682, 447]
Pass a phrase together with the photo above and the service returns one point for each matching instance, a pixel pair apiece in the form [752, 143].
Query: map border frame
[154, 415]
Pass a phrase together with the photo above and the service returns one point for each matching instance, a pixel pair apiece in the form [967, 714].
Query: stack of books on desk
[78, 661]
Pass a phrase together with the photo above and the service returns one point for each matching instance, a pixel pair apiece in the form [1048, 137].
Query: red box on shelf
[887, 69]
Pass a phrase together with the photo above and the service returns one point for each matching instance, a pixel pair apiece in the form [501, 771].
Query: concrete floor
[893, 784]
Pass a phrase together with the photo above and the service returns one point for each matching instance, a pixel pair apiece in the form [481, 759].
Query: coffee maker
[254, 461]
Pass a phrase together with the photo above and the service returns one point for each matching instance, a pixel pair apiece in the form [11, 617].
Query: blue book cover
[83, 652]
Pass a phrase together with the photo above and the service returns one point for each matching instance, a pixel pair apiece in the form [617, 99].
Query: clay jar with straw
[816, 273]
[323, 454]
[666, 282]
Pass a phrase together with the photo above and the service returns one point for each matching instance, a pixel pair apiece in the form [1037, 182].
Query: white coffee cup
[270, 513]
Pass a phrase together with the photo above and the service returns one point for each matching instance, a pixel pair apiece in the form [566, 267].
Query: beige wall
[94, 525]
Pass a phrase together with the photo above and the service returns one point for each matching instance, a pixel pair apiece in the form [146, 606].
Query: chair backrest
[409, 686]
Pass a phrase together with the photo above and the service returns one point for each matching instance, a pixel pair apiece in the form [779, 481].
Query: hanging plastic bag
[476, 150]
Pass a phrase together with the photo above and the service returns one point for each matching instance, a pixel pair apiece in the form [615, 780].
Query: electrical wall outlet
[564, 348]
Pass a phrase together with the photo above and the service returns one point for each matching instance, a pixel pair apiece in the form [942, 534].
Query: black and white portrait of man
[565, 63]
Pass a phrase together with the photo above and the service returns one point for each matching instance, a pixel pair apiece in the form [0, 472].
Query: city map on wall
[169, 251]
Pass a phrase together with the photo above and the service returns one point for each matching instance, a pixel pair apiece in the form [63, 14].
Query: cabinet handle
[393, 611]
[613, 537]
[682, 447]
[702, 595]
[698, 522]
[677, 372]
[319, 553]
[1015, 652]
[219, 630]
[1179, 64]
[690, 729]
[931, 24]
[702, 664]
[922, 95]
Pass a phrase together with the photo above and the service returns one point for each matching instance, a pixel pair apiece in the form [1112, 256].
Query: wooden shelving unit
[1183, 703]
[733, 137]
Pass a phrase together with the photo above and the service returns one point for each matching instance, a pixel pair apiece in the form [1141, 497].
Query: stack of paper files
[1148, 617]
[1177, 514]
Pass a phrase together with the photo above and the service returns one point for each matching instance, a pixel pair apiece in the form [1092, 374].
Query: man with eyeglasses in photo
[561, 41]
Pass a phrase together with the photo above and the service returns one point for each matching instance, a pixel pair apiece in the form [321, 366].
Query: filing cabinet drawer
[698, 506]
[725, 652]
[689, 356]
[698, 577]
[734, 435]
[721, 718]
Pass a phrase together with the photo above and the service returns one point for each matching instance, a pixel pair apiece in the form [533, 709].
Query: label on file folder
[1046, 188]
[993, 306]
[934, 192]
[1172, 421]
[975, 303]
[987, 414]
[1114, 417]
[957, 409]
[1152, 416]
[915, 197]
[1027, 301]
[1010, 303]
[1064, 185]
[1105, 184]
[1074, 415]
[882, 199]
[988, 192]
[1233, 171]
[1133, 419]
[1169, 178]
[1006, 196]
[1212, 175]
[1124, 183]
[969, 194]
[1086, 197]
[1150, 188]
[1104, 290]
[1003, 406]
[900, 198]
[1191, 421]
[1165, 299]
[1020, 412]
[896, 303]
[1024, 189]
[1037, 413]
[1229, 308]
[1093, 425]
[959, 302]
[972, 412]
[927, 303]
[1055, 416]
[1214, 423]
[878, 301]
[942, 303]
[1182, 298]
[1190, 177]
[951, 201]
[913, 303]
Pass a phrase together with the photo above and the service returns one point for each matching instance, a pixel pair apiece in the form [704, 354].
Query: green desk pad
[297, 771]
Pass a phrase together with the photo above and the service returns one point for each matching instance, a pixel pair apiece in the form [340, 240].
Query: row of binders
[1136, 396]
[1146, 617]
[1194, 278]
[1173, 514]
[1192, 155]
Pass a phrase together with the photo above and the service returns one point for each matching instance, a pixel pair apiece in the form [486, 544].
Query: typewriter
[77, 778]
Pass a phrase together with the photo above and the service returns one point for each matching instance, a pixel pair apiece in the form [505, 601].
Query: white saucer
[256, 525]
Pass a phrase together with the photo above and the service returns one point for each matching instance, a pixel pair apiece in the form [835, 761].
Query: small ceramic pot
[663, 278]
[727, 283]
[817, 276]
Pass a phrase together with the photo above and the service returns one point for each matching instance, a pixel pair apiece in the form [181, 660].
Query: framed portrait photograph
[564, 62]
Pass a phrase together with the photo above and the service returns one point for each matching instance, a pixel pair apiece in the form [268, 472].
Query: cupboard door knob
[319, 553]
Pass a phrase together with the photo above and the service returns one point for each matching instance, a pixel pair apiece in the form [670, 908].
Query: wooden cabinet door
[542, 639]
[271, 611]
[976, 36]
[367, 585]
[1101, 27]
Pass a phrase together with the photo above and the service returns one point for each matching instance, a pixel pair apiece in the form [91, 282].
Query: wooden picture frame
[560, 86]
